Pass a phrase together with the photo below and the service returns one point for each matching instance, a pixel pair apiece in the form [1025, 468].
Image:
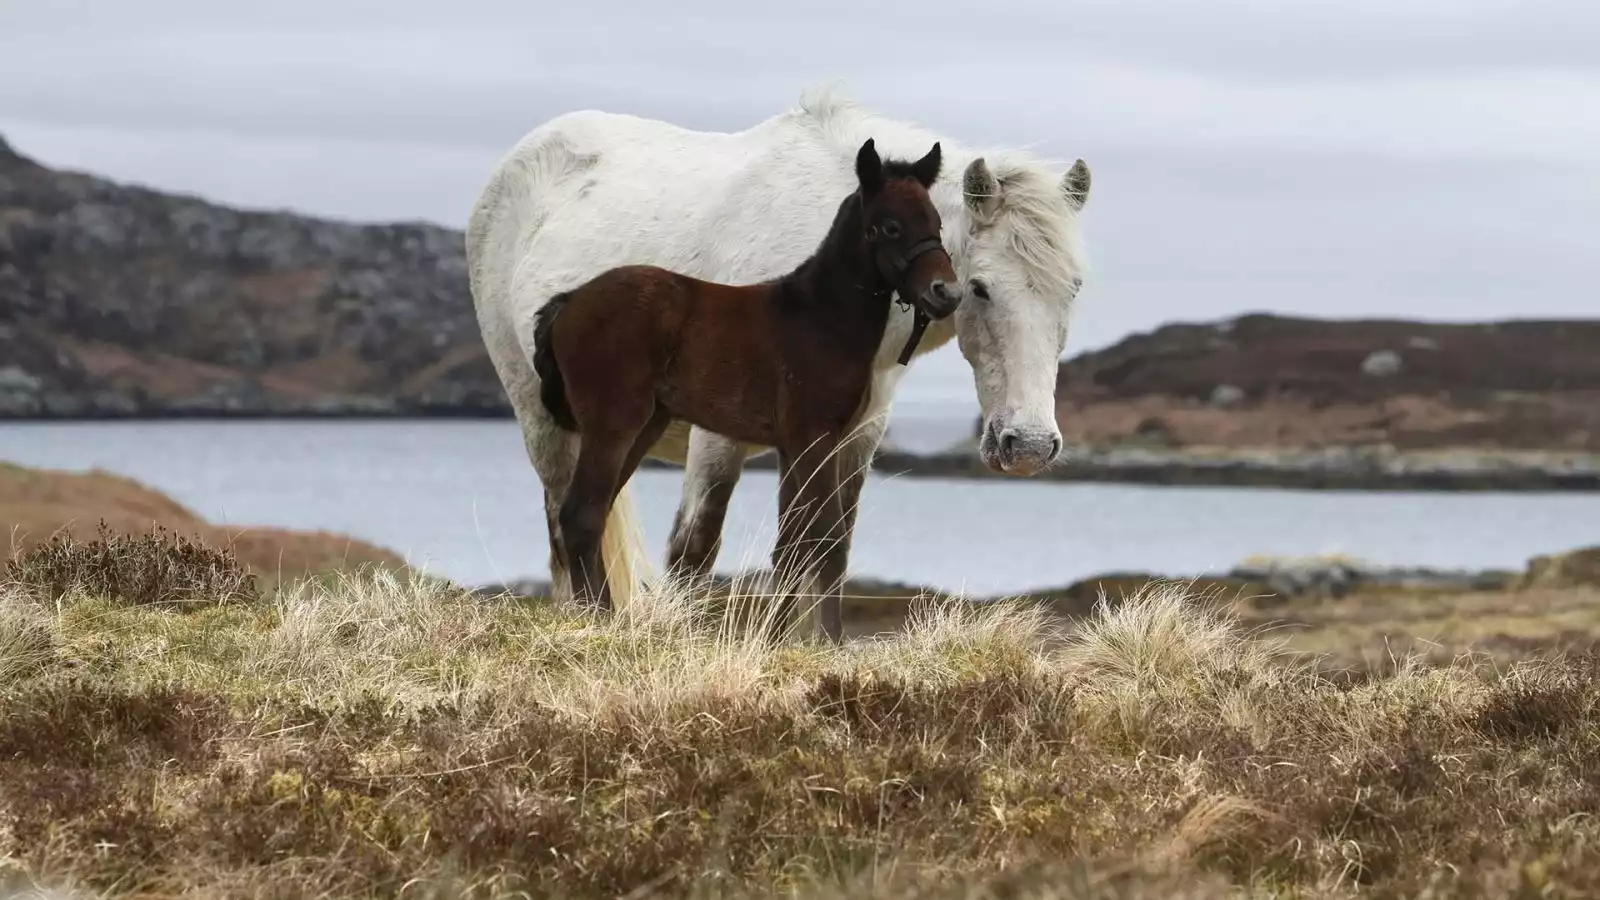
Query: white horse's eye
[980, 289]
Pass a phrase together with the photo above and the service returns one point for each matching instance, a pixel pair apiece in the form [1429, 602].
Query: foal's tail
[552, 386]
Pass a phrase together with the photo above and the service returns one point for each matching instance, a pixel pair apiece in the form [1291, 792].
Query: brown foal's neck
[839, 287]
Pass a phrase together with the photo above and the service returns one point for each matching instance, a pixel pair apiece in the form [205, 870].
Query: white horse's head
[1021, 261]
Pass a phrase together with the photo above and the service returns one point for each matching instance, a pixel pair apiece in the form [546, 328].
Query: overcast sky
[1437, 159]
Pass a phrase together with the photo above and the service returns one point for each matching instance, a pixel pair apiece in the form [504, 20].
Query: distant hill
[121, 301]
[1272, 381]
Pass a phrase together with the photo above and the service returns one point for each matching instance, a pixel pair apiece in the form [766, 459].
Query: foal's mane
[1041, 229]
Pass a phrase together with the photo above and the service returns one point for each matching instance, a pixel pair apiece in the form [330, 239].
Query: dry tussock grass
[384, 734]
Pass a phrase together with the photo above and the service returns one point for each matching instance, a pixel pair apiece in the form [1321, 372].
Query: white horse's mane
[1043, 229]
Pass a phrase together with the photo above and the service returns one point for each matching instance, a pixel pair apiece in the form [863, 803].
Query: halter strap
[919, 324]
[899, 263]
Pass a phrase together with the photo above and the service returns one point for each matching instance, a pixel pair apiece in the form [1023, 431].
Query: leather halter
[899, 264]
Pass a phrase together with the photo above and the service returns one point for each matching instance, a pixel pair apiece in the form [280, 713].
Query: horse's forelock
[1041, 227]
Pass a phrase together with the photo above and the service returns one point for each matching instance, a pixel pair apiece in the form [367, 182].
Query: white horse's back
[624, 190]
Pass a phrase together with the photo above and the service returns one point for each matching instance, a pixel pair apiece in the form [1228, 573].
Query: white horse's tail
[622, 550]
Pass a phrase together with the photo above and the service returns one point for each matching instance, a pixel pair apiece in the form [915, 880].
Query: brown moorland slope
[36, 504]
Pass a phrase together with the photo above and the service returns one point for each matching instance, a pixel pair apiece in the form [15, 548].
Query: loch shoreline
[1331, 468]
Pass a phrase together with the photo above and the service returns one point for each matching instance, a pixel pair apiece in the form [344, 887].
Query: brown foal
[784, 363]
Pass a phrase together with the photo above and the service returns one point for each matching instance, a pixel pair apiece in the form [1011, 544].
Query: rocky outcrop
[121, 301]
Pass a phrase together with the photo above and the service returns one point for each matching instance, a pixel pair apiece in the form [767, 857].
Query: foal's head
[902, 229]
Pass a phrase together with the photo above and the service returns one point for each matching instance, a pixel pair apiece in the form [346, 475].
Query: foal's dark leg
[785, 550]
[852, 466]
[808, 524]
[595, 483]
[828, 537]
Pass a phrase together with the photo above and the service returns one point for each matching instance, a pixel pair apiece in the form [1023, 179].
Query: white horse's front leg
[711, 471]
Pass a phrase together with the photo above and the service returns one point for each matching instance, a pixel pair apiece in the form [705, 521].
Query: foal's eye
[890, 229]
[980, 289]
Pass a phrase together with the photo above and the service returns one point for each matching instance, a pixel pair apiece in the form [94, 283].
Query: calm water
[460, 499]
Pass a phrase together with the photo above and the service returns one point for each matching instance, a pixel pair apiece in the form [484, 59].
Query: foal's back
[703, 351]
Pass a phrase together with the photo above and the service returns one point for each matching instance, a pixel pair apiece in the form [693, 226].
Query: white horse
[590, 190]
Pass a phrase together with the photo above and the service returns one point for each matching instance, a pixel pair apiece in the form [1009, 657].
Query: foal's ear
[869, 168]
[927, 168]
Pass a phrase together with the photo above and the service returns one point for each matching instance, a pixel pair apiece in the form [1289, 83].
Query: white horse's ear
[1075, 185]
[980, 189]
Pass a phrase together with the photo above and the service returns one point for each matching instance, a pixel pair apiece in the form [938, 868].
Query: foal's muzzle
[941, 299]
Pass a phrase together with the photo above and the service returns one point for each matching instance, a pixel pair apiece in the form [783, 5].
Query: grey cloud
[1245, 38]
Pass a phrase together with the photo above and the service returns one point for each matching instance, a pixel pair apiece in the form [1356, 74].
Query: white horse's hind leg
[711, 471]
[554, 455]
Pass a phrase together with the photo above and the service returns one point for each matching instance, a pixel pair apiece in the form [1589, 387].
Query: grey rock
[20, 392]
[1226, 395]
[1381, 364]
[15, 379]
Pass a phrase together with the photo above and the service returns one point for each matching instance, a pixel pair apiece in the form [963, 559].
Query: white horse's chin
[1019, 469]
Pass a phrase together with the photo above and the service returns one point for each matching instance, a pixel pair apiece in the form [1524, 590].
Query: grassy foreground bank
[387, 735]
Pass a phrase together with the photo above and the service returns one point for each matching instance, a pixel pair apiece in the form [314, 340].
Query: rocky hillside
[1268, 381]
[120, 301]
